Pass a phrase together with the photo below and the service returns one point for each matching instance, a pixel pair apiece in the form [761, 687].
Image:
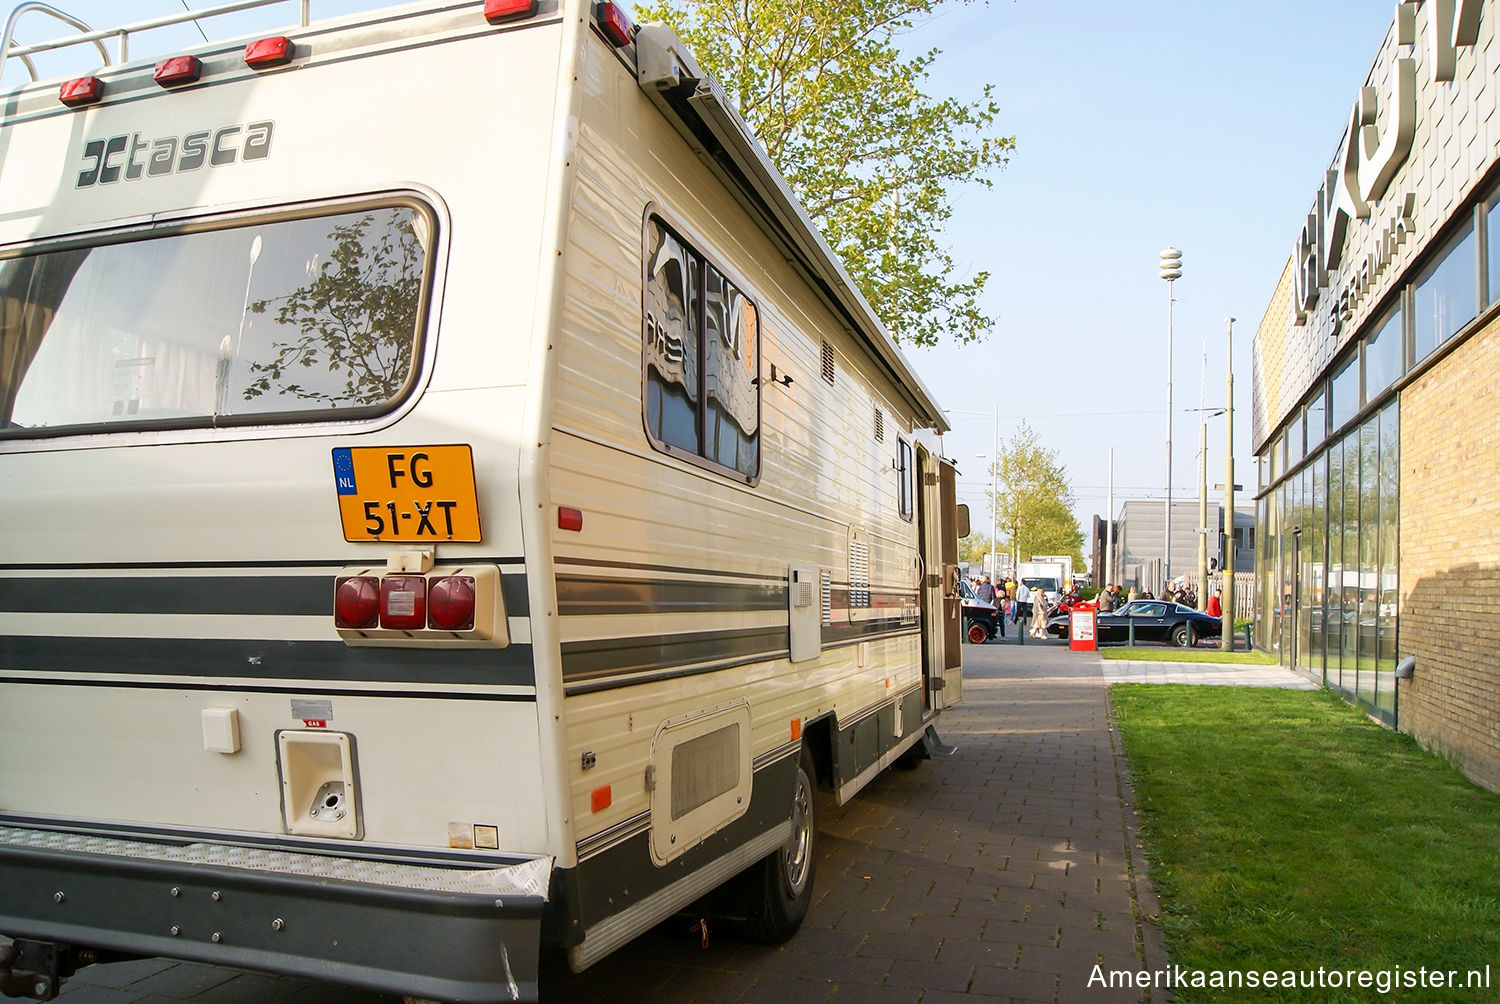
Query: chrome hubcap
[796, 857]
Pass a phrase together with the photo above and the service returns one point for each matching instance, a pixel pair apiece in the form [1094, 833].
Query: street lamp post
[1171, 269]
[1226, 561]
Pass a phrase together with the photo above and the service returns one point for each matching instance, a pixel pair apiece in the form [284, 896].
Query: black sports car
[1153, 620]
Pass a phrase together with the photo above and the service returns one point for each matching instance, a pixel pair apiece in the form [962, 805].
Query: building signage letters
[1368, 161]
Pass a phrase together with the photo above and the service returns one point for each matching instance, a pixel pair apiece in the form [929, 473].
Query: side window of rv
[701, 345]
[250, 322]
[905, 478]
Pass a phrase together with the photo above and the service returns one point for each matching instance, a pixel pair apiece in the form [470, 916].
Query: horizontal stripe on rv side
[238, 685]
[594, 596]
[698, 651]
[591, 666]
[256, 595]
[267, 659]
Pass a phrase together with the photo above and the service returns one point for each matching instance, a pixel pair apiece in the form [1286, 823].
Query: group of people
[1110, 598]
[1014, 601]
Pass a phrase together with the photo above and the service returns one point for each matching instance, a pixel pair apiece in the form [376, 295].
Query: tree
[842, 113]
[1035, 502]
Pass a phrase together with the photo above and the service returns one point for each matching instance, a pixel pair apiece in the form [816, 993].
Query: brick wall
[1450, 557]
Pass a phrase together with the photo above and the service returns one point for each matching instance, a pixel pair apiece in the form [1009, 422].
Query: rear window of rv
[309, 317]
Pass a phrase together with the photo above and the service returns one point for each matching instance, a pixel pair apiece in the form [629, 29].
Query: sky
[1205, 125]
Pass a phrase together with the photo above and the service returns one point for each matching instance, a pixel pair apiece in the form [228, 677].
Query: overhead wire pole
[1171, 269]
[1203, 484]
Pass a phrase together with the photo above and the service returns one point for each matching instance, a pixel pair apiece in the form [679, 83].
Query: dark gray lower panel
[452, 937]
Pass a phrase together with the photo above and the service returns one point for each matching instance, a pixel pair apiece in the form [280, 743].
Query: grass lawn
[1288, 832]
[1204, 654]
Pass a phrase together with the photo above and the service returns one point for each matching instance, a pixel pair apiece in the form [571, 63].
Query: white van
[454, 503]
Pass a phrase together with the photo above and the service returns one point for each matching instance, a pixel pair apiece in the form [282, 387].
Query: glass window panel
[1296, 440]
[1369, 565]
[1263, 576]
[1383, 355]
[671, 340]
[1286, 610]
[1344, 392]
[731, 361]
[1317, 420]
[1445, 298]
[1315, 542]
[318, 314]
[1387, 612]
[1278, 449]
[1492, 229]
[1304, 581]
[1332, 610]
[1349, 568]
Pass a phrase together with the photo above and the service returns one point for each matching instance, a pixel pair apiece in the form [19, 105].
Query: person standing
[1107, 598]
[1039, 613]
[1215, 605]
[985, 591]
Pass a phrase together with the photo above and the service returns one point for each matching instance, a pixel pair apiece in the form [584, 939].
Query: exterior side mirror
[962, 520]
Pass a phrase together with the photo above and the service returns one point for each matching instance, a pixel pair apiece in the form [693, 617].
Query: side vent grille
[827, 582]
[879, 426]
[828, 363]
[859, 574]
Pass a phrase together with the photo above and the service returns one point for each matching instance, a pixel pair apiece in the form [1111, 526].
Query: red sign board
[1083, 630]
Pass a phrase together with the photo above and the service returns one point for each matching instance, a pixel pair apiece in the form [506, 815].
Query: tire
[1180, 636]
[976, 633]
[780, 887]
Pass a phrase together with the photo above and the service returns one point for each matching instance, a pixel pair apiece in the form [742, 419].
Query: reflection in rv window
[214, 326]
[701, 342]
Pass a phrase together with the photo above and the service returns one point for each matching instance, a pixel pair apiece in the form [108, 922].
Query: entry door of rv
[942, 620]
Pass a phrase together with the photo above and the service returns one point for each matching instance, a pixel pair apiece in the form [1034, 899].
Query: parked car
[981, 619]
[1153, 620]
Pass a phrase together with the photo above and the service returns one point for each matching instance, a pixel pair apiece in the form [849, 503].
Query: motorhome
[455, 503]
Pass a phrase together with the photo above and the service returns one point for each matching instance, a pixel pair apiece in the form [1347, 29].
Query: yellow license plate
[412, 494]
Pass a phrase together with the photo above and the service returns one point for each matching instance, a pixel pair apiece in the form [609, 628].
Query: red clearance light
[178, 70]
[617, 27]
[498, 11]
[450, 603]
[569, 519]
[82, 91]
[356, 602]
[403, 602]
[266, 52]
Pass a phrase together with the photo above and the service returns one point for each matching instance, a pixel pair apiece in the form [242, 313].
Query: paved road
[1006, 872]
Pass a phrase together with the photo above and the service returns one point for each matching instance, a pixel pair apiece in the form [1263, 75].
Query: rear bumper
[432, 930]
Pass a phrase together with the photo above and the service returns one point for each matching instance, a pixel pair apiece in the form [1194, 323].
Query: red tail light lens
[403, 602]
[497, 11]
[268, 52]
[450, 603]
[616, 25]
[178, 70]
[82, 91]
[356, 602]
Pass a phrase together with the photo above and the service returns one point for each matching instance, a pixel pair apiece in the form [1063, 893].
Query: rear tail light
[616, 25]
[499, 11]
[403, 602]
[416, 605]
[178, 70]
[356, 602]
[267, 52]
[450, 603]
[81, 91]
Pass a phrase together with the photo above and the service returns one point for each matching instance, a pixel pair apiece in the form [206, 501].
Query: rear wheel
[977, 633]
[781, 892]
[1180, 636]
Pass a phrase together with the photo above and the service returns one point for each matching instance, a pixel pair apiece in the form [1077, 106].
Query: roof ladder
[87, 35]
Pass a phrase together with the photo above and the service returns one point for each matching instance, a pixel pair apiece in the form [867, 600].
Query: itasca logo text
[131, 157]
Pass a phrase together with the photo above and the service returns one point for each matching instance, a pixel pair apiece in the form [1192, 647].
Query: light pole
[1171, 269]
[1226, 561]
